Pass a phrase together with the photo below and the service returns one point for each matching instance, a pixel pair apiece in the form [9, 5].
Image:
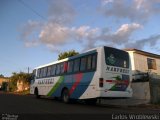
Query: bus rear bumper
[115, 94]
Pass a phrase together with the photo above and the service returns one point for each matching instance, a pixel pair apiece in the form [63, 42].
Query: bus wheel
[91, 101]
[65, 96]
[36, 93]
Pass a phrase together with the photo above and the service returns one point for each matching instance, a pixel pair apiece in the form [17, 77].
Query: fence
[155, 89]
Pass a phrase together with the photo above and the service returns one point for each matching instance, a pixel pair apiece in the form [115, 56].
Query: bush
[24, 77]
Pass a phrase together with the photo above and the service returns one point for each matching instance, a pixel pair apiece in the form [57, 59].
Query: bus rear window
[115, 57]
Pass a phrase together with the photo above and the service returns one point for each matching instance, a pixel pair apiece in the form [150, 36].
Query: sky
[34, 32]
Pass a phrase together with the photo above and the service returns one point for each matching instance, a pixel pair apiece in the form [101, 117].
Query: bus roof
[52, 63]
[90, 51]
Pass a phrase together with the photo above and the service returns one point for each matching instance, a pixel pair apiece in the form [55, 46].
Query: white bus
[103, 72]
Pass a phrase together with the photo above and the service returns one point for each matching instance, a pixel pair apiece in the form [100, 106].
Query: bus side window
[94, 57]
[83, 64]
[58, 69]
[65, 65]
[33, 74]
[41, 71]
[76, 65]
[61, 68]
[53, 70]
[70, 67]
[49, 71]
[44, 72]
[89, 62]
[38, 73]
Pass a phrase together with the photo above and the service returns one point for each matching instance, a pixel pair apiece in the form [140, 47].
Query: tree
[67, 54]
[24, 77]
[1, 76]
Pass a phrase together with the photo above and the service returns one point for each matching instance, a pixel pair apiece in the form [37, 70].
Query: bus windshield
[115, 57]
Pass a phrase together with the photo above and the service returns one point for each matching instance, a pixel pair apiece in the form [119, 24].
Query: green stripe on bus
[56, 86]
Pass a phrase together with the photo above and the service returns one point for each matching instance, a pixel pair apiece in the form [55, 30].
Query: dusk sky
[34, 32]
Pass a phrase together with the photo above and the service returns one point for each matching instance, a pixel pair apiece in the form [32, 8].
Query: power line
[29, 7]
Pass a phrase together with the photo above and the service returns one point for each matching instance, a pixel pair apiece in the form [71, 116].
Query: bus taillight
[100, 82]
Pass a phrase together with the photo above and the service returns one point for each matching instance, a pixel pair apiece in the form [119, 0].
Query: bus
[102, 72]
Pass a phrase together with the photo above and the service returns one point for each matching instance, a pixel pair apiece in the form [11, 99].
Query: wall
[155, 89]
[131, 59]
[144, 90]
[141, 90]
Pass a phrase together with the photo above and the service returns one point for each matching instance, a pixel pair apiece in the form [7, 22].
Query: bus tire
[65, 96]
[36, 93]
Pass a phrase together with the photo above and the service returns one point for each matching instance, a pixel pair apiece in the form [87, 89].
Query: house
[143, 62]
[3, 79]
[4, 83]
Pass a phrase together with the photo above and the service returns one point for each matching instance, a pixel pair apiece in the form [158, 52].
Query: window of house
[151, 63]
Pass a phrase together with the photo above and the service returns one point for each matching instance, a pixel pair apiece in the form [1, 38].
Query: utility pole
[28, 70]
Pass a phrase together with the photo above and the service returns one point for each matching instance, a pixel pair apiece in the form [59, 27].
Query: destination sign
[46, 81]
[116, 69]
